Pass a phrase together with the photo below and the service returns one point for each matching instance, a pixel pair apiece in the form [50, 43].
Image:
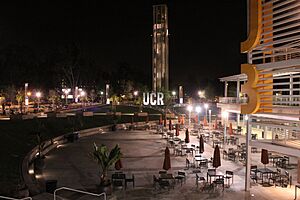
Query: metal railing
[233, 100]
[9, 198]
[79, 191]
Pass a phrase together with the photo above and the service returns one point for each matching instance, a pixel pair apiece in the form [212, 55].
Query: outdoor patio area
[143, 156]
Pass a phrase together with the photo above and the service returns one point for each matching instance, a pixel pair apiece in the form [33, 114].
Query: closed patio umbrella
[187, 136]
[204, 121]
[160, 120]
[217, 157]
[170, 125]
[167, 160]
[216, 124]
[165, 122]
[118, 165]
[264, 157]
[230, 129]
[177, 129]
[201, 144]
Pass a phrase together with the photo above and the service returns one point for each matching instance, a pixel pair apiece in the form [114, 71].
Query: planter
[105, 188]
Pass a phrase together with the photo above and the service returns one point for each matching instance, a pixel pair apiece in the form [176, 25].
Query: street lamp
[66, 92]
[38, 96]
[225, 118]
[189, 108]
[82, 95]
[174, 96]
[198, 110]
[209, 118]
[206, 107]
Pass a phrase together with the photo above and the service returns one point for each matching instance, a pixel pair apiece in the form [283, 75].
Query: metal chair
[228, 176]
[180, 177]
[201, 180]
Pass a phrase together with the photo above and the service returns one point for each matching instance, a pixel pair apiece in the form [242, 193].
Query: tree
[20, 96]
[92, 95]
[105, 159]
[53, 97]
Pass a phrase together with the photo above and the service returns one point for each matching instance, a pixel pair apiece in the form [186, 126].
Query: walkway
[143, 154]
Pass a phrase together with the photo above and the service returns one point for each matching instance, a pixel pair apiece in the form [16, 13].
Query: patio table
[274, 158]
[217, 142]
[264, 171]
[213, 174]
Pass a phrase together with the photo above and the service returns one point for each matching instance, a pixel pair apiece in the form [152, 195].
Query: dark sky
[204, 35]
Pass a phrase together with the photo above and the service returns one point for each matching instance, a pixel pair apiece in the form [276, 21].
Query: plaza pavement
[143, 155]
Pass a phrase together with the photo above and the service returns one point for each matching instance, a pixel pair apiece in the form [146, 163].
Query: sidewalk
[143, 154]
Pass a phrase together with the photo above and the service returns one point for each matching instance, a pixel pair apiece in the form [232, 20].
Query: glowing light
[206, 106]
[173, 93]
[31, 171]
[198, 109]
[225, 114]
[135, 93]
[38, 94]
[189, 108]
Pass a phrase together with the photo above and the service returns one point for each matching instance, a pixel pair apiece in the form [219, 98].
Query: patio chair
[228, 176]
[161, 183]
[200, 180]
[218, 182]
[286, 179]
[275, 177]
[181, 177]
[162, 172]
[188, 164]
[225, 154]
[253, 173]
[203, 163]
[118, 180]
[128, 180]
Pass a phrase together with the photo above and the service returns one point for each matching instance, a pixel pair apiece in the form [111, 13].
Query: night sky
[204, 35]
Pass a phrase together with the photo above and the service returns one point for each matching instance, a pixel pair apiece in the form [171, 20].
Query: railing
[9, 198]
[233, 100]
[280, 39]
[79, 191]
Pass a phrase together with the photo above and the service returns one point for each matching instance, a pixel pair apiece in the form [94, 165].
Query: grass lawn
[18, 138]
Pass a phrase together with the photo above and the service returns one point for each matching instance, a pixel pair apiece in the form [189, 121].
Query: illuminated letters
[250, 88]
[154, 99]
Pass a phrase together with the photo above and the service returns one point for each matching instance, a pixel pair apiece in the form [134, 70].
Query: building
[160, 49]
[268, 88]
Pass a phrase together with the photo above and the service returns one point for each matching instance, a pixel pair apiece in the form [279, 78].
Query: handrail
[9, 198]
[78, 191]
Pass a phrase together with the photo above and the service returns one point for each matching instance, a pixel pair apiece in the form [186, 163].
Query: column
[226, 89]
[291, 89]
[248, 154]
[238, 119]
[238, 90]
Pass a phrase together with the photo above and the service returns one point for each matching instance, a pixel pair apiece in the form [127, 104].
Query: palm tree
[105, 159]
[20, 96]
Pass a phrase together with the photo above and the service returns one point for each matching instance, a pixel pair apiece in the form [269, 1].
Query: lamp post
[198, 110]
[174, 96]
[66, 91]
[206, 107]
[38, 96]
[135, 94]
[82, 95]
[190, 108]
[101, 96]
[225, 118]
[209, 118]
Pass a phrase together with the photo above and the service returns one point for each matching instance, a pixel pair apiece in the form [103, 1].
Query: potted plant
[105, 159]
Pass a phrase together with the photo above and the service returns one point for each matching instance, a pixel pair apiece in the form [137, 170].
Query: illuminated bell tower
[160, 49]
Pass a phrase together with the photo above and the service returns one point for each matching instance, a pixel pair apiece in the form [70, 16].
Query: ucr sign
[154, 99]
